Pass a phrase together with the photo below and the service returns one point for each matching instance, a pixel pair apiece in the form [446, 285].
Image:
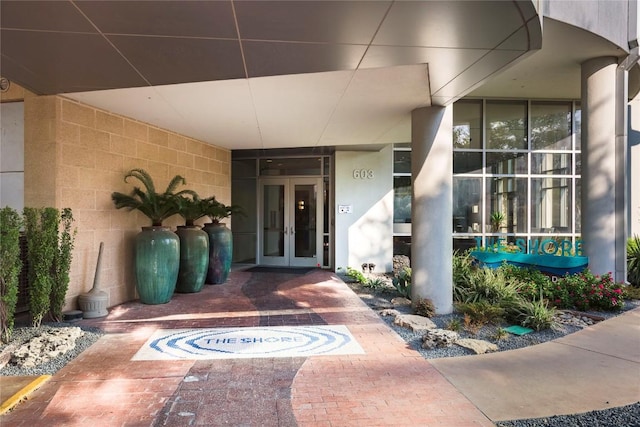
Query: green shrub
[500, 334]
[490, 286]
[535, 314]
[424, 307]
[481, 313]
[454, 325]
[631, 292]
[376, 284]
[402, 282]
[62, 264]
[356, 275]
[41, 230]
[462, 271]
[10, 266]
[529, 282]
[633, 260]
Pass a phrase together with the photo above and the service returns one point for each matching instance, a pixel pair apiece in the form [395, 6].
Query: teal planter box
[194, 259]
[157, 264]
[550, 264]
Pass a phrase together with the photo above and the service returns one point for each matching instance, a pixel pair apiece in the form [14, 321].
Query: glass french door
[290, 222]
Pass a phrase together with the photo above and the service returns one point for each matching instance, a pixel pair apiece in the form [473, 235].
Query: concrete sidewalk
[389, 385]
[593, 369]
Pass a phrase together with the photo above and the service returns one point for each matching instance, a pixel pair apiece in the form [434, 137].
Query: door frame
[289, 259]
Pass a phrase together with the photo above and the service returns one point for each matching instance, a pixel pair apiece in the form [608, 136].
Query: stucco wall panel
[366, 235]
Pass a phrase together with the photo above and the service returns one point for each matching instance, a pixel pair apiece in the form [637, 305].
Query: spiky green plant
[155, 206]
[535, 314]
[633, 260]
[402, 282]
[462, 271]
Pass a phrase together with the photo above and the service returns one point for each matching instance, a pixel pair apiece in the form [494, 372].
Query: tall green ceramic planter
[157, 264]
[194, 258]
[220, 252]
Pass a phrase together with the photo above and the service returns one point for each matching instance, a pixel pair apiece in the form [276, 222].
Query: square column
[431, 206]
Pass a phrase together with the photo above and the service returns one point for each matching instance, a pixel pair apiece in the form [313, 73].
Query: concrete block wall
[77, 155]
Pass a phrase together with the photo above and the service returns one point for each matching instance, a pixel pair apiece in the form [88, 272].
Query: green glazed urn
[157, 263]
[194, 258]
[220, 252]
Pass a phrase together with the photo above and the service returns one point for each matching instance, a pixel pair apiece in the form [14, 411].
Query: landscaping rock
[400, 302]
[47, 346]
[400, 262]
[478, 346]
[439, 338]
[389, 312]
[414, 322]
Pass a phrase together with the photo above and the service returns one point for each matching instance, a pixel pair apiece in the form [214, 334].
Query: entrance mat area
[251, 342]
[281, 270]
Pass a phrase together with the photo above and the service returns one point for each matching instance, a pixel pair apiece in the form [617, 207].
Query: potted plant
[157, 247]
[497, 219]
[220, 239]
[194, 244]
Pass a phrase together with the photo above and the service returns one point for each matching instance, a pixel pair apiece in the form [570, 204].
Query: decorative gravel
[22, 334]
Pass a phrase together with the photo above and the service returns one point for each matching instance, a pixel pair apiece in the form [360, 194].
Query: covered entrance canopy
[266, 74]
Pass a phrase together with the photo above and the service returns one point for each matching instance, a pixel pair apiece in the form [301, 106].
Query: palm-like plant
[156, 206]
[191, 208]
[217, 211]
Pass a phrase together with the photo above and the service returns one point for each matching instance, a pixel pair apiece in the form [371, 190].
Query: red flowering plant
[586, 291]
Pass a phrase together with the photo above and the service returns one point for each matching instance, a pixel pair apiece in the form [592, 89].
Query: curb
[23, 393]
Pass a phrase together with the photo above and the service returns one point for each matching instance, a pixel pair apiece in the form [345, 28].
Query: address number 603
[362, 174]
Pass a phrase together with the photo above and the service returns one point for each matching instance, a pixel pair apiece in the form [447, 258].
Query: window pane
[402, 161]
[507, 196]
[578, 210]
[463, 244]
[467, 162]
[402, 245]
[578, 164]
[244, 193]
[550, 205]
[551, 164]
[467, 124]
[506, 125]
[506, 163]
[551, 125]
[578, 124]
[402, 199]
[467, 202]
[291, 166]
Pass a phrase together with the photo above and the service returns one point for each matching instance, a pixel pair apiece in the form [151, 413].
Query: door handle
[285, 231]
[293, 231]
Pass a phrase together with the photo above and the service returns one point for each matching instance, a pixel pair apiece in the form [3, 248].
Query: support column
[431, 206]
[604, 145]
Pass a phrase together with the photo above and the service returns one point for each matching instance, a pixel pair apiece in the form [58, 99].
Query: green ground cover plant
[529, 297]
